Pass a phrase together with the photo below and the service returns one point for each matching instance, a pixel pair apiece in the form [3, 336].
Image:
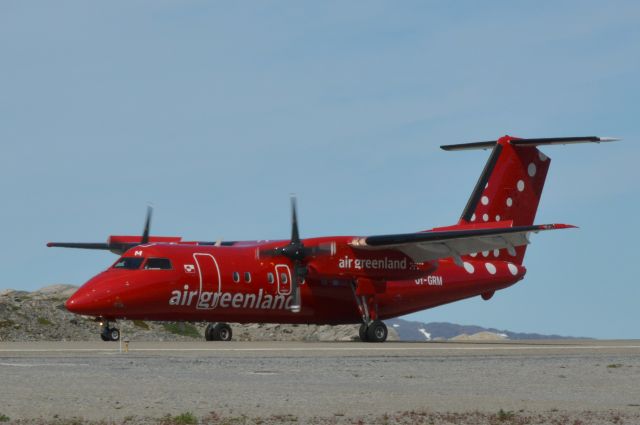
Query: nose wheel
[108, 333]
[218, 332]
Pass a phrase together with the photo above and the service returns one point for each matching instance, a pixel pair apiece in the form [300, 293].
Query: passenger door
[283, 277]
[210, 280]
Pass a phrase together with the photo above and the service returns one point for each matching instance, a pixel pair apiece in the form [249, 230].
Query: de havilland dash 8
[331, 280]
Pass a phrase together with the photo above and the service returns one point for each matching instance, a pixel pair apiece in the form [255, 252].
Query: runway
[95, 380]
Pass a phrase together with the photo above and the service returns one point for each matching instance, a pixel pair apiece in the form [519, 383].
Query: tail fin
[511, 184]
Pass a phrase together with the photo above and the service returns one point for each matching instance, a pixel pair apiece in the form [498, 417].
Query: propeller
[115, 246]
[147, 226]
[298, 254]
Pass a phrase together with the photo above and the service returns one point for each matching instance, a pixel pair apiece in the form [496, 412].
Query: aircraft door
[283, 276]
[210, 280]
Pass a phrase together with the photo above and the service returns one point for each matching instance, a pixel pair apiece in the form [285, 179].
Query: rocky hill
[434, 331]
[41, 315]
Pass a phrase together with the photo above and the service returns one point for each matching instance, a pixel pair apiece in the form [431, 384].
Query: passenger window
[270, 278]
[283, 278]
[158, 264]
[128, 263]
[236, 277]
[247, 277]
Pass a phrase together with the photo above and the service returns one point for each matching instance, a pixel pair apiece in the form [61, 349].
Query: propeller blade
[147, 226]
[295, 234]
[299, 273]
[295, 293]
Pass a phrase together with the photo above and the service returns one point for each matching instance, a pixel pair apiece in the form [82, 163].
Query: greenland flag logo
[189, 268]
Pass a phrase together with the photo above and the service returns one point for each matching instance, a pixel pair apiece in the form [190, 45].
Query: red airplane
[331, 280]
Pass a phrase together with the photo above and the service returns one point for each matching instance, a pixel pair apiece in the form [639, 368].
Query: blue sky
[216, 111]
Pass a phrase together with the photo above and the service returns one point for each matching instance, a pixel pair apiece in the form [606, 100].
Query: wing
[434, 245]
[80, 245]
[120, 244]
[116, 248]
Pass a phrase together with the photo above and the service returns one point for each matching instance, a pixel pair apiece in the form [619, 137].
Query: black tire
[222, 332]
[362, 333]
[208, 332]
[114, 334]
[377, 332]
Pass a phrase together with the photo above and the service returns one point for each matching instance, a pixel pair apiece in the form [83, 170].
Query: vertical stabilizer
[511, 183]
[508, 189]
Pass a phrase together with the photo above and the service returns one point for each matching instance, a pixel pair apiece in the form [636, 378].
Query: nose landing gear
[108, 333]
[218, 332]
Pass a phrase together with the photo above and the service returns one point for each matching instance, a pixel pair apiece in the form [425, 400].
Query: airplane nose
[100, 296]
[79, 302]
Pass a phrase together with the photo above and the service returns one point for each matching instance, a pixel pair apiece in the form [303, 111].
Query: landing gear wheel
[377, 332]
[208, 332]
[222, 332]
[110, 334]
[363, 332]
[114, 334]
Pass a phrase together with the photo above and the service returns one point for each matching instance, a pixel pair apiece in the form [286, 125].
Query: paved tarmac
[95, 380]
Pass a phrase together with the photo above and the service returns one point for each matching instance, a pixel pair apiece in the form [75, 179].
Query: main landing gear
[372, 329]
[375, 331]
[218, 332]
[108, 333]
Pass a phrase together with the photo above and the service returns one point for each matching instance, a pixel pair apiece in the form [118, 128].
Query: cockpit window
[128, 263]
[158, 264]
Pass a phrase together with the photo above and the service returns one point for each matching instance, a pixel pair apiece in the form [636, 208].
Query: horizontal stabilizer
[489, 144]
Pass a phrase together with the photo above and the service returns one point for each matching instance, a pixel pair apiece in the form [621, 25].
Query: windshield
[128, 263]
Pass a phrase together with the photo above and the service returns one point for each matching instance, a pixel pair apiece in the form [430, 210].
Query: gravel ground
[582, 383]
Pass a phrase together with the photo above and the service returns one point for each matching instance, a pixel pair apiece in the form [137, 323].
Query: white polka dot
[512, 251]
[484, 200]
[485, 253]
[496, 252]
[532, 169]
[468, 267]
[485, 217]
[473, 217]
[520, 185]
[509, 202]
[498, 217]
[513, 269]
[486, 185]
[542, 156]
[490, 268]
[473, 254]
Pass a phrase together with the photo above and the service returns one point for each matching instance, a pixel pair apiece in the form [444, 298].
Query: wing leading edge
[434, 245]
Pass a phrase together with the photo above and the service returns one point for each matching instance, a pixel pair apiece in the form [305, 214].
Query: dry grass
[501, 417]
